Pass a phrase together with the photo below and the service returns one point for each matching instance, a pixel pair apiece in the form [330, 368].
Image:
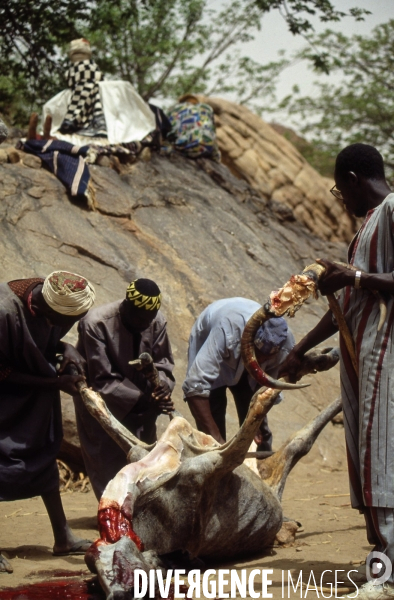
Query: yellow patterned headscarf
[141, 300]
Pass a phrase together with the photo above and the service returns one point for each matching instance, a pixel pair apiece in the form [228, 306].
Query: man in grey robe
[35, 314]
[367, 395]
[215, 364]
[109, 337]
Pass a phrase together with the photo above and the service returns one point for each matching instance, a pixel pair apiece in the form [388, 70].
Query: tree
[163, 47]
[165, 62]
[31, 35]
[359, 106]
[170, 47]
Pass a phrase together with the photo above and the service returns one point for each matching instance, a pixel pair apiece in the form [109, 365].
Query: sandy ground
[332, 535]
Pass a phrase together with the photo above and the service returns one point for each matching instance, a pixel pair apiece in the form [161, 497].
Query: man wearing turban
[109, 337]
[215, 364]
[35, 314]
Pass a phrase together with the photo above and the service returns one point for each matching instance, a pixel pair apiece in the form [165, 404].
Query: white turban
[79, 50]
[68, 293]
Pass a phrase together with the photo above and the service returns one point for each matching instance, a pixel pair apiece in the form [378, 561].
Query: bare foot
[73, 547]
[5, 566]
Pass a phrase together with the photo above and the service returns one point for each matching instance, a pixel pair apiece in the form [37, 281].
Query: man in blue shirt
[215, 364]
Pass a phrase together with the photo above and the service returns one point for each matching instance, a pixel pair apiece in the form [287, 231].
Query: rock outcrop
[192, 226]
[254, 151]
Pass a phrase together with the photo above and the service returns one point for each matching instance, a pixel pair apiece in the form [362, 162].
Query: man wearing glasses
[367, 396]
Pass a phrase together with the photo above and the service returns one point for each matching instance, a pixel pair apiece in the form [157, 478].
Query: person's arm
[201, 411]
[164, 362]
[381, 282]
[103, 377]
[202, 373]
[323, 330]
[9, 373]
[65, 383]
[337, 277]
[70, 356]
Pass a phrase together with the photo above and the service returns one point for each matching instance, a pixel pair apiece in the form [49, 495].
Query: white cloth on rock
[127, 116]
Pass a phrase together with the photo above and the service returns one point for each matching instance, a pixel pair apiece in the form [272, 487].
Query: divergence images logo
[376, 563]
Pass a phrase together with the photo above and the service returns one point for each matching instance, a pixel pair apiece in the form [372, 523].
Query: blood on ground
[62, 589]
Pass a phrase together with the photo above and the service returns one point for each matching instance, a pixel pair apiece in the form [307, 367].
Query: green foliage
[297, 15]
[154, 43]
[31, 35]
[298, 12]
[165, 48]
[249, 82]
[359, 106]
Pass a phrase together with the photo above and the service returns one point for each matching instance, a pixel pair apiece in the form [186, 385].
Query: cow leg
[234, 452]
[275, 469]
[118, 432]
[32, 131]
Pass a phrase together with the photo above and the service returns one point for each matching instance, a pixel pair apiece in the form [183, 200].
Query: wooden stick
[47, 127]
[343, 329]
[145, 364]
[32, 132]
[336, 495]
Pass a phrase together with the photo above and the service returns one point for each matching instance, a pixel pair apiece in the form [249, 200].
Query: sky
[274, 36]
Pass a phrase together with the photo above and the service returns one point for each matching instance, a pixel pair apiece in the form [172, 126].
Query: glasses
[335, 192]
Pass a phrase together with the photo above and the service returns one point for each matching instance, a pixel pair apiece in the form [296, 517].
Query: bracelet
[357, 280]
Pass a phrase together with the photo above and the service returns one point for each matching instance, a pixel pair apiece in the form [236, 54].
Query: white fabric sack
[127, 115]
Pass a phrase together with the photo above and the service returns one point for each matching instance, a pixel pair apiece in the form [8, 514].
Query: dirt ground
[332, 536]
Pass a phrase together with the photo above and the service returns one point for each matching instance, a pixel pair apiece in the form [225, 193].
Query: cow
[188, 496]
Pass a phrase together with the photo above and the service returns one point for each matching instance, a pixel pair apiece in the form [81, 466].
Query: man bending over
[35, 314]
[109, 337]
[215, 364]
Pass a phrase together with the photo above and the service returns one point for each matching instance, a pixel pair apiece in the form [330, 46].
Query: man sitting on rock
[109, 337]
[35, 314]
[215, 364]
[85, 111]
[193, 130]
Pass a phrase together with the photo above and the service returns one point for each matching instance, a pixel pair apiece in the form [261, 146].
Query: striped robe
[368, 400]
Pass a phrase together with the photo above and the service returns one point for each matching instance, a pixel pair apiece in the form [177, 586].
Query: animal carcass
[187, 493]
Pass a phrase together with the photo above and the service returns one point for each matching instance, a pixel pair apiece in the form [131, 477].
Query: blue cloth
[64, 160]
[271, 336]
[214, 357]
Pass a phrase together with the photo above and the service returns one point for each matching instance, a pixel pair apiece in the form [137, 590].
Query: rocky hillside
[254, 151]
[199, 231]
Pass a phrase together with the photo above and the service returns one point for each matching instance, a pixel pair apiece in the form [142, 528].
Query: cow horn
[248, 353]
[234, 451]
[285, 301]
[275, 469]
